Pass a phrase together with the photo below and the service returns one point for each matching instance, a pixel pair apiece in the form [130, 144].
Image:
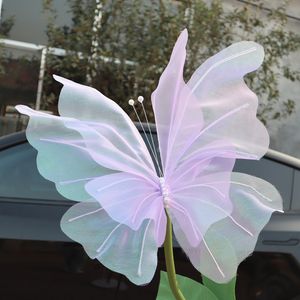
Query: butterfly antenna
[141, 100]
[151, 146]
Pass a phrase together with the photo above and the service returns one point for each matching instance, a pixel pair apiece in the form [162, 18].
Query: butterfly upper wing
[170, 99]
[62, 157]
[228, 106]
[91, 123]
[104, 116]
[190, 116]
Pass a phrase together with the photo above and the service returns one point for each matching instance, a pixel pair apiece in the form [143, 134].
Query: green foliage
[5, 27]
[137, 38]
[278, 43]
[191, 289]
[222, 291]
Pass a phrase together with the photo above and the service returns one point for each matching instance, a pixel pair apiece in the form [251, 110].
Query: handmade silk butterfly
[95, 155]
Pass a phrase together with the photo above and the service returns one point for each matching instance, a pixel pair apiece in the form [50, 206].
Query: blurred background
[121, 47]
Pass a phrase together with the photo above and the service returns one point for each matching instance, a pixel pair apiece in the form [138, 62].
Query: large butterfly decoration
[95, 155]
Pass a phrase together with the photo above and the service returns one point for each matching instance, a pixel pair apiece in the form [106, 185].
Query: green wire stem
[169, 257]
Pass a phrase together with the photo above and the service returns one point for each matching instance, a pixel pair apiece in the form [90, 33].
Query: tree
[5, 28]
[131, 41]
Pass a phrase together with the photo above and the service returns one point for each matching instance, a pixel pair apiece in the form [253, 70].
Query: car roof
[20, 138]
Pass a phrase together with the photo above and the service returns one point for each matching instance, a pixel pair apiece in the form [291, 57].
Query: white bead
[140, 99]
[167, 202]
[131, 102]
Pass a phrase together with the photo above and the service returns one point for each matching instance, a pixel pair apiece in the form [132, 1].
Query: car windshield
[19, 177]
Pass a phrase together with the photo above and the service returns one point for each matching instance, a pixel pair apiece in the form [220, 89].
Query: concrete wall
[30, 20]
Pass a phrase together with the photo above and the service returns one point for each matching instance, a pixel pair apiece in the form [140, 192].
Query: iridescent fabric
[95, 155]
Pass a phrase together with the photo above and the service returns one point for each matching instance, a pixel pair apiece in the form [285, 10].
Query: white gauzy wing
[172, 97]
[229, 241]
[67, 163]
[71, 152]
[215, 104]
[228, 106]
[130, 200]
[116, 246]
[104, 115]
[197, 200]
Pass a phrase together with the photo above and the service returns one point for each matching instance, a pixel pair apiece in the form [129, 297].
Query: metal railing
[44, 51]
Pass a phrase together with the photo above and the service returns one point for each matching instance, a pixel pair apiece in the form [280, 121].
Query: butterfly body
[164, 189]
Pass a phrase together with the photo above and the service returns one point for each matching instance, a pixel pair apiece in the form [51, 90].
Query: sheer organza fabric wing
[116, 246]
[229, 241]
[200, 197]
[62, 156]
[105, 116]
[171, 97]
[227, 105]
[129, 200]
[72, 152]
[215, 104]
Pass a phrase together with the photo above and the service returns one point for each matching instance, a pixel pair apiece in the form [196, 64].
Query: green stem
[169, 257]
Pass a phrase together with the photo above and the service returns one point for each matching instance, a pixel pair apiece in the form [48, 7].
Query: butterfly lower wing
[115, 245]
[129, 200]
[201, 197]
[230, 240]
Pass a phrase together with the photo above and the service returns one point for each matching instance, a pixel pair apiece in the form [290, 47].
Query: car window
[19, 177]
